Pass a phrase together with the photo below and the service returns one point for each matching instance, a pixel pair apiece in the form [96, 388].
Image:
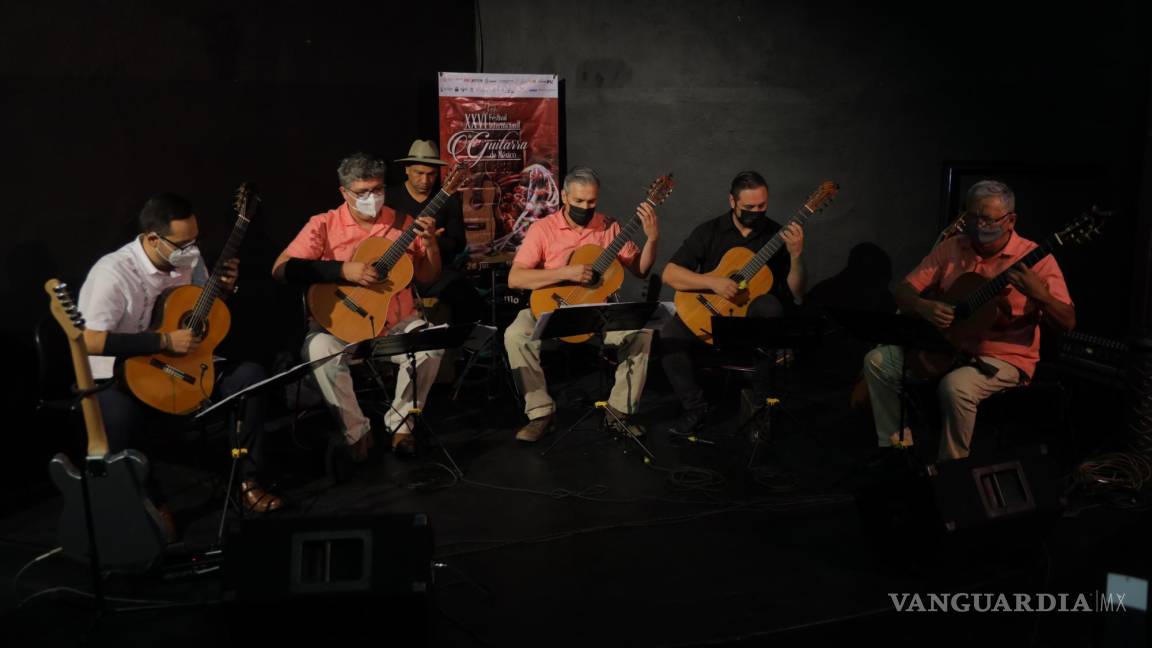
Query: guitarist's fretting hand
[356, 272]
[1028, 282]
[427, 229]
[230, 274]
[181, 342]
[937, 312]
[579, 273]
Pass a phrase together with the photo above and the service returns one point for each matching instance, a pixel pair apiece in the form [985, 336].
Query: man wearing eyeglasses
[117, 302]
[1007, 356]
[322, 253]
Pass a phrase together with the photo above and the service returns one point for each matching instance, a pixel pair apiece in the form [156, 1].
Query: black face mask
[581, 215]
[752, 219]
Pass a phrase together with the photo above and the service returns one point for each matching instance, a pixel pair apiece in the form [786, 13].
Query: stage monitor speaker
[1011, 483]
[296, 572]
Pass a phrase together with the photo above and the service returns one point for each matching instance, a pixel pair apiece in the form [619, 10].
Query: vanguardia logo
[1018, 602]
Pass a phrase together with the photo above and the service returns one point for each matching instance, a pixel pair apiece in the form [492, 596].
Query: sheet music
[256, 386]
[663, 313]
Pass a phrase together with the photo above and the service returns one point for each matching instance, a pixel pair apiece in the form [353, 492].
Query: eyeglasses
[178, 246]
[984, 220]
[378, 191]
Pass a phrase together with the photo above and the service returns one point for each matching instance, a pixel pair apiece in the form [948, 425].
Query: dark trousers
[679, 347]
[132, 424]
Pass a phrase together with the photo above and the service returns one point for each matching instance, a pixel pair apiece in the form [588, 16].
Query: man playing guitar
[117, 300]
[1007, 355]
[541, 261]
[745, 224]
[322, 253]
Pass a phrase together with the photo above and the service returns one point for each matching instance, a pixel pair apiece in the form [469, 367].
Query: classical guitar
[607, 273]
[126, 530]
[980, 303]
[356, 313]
[749, 270]
[180, 383]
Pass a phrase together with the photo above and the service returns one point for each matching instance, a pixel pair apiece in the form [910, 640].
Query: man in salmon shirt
[541, 261]
[321, 253]
[1007, 356]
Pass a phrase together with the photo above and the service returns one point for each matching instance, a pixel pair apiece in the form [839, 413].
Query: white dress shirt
[121, 291]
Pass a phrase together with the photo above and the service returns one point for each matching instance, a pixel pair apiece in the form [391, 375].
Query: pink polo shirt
[551, 240]
[335, 235]
[1018, 341]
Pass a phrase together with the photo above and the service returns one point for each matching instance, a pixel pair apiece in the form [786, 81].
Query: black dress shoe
[690, 423]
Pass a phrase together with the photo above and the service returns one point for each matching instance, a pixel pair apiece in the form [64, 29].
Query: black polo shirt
[451, 218]
[705, 246]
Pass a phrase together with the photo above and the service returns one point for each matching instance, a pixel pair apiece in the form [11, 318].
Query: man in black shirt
[422, 172]
[745, 224]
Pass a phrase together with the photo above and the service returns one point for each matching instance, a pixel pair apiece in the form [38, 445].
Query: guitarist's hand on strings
[647, 215]
[181, 341]
[1028, 282]
[937, 312]
[427, 231]
[793, 236]
[356, 272]
[230, 274]
[724, 287]
[579, 273]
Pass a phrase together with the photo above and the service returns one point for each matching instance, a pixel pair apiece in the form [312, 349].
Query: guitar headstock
[1083, 227]
[659, 189]
[64, 309]
[821, 197]
[456, 176]
[246, 200]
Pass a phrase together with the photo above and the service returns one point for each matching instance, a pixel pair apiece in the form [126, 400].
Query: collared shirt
[702, 251]
[121, 291]
[550, 241]
[1016, 341]
[335, 235]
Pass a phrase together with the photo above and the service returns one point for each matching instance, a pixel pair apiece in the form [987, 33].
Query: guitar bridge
[350, 304]
[172, 371]
[707, 304]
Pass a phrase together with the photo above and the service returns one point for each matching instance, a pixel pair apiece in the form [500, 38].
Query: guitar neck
[89, 406]
[387, 260]
[757, 262]
[627, 233]
[997, 284]
[212, 289]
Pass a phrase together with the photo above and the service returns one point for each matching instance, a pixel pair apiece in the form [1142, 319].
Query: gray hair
[990, 189]
[360, 166]
[581, 175]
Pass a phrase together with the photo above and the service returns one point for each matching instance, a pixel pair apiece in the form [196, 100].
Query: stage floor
[589, 545]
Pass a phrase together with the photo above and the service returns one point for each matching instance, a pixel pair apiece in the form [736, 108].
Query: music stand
[755, 333]
[236, 402]
[599, 319]
[895, 329]
[434, 338]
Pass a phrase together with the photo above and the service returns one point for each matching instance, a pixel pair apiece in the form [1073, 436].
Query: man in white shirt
[117, 302]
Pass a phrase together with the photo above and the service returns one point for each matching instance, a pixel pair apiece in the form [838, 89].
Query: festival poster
[505, 129]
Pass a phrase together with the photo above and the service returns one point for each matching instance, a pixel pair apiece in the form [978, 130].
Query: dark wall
[105, 103]
[878, 99]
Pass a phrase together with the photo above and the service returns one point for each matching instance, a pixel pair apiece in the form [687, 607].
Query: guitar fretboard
[388, 260]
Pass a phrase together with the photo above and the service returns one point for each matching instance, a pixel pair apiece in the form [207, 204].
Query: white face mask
[369, 205]
[183, 257]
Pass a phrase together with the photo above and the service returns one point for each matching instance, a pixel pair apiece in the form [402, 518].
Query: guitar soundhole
[737, 278]
[201, 329]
